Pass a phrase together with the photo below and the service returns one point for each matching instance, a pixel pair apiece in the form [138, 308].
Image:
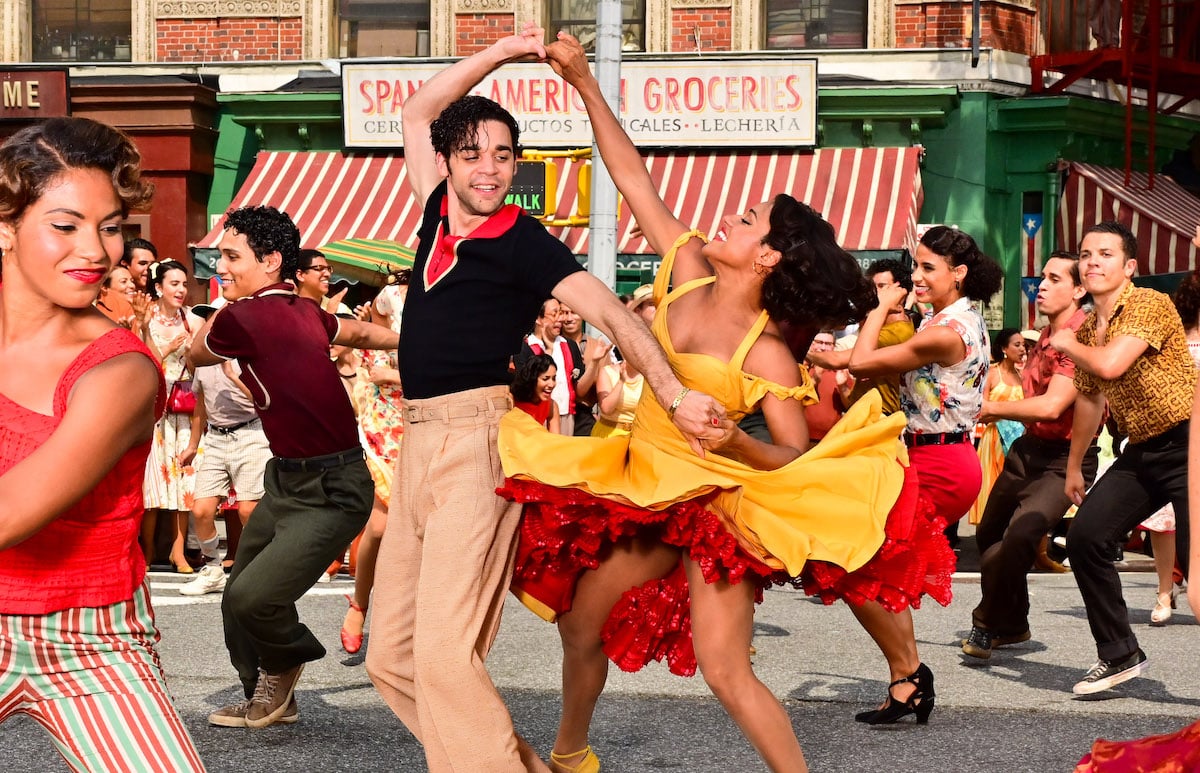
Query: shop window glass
[383, 28]
[578, 17]
[816, 24]
[81, 30]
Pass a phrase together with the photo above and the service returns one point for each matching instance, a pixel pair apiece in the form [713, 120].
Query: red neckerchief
[444, 254]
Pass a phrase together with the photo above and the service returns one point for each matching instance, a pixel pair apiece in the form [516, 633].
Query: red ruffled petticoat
[566, 531]
[915, 559]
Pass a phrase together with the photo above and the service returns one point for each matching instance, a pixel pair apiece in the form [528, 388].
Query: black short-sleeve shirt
[281, 341]
[460, 332]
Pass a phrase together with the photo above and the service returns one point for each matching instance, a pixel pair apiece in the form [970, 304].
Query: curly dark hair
[159, 270]
[901, 274]
[457, 126]
[524, 383]
[267, 230]
[1187, 300]
[816, 283]
[1000, 341]
[957, 248]
[35, 156]
[1128, 240]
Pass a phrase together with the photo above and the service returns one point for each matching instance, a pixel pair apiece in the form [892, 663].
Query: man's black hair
[457, 126]
[901, 274]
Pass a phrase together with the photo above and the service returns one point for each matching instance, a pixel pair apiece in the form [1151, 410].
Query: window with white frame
[578, 17]
[816, 24]
[371, 28]
[81, 30]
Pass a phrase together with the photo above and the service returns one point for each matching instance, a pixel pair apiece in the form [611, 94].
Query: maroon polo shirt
[282, 343]
[1042, 365]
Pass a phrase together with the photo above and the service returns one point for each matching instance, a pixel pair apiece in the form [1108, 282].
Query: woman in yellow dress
[1003, 384]
[699, 533]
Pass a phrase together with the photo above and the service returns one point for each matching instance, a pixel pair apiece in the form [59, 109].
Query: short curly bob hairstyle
[33, 158]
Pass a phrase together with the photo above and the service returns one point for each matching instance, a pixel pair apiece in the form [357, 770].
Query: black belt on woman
[935, 438]
[231, 428]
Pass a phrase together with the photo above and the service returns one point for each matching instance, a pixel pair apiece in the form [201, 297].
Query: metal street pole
[602, 242]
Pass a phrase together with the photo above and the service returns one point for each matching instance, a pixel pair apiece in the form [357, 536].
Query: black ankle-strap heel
[919, 703]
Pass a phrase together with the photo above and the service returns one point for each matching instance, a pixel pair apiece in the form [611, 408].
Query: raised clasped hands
[526, 45]
[700, 418]
[567, 57]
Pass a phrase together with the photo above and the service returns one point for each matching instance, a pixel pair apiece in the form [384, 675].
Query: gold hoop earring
[760, 269]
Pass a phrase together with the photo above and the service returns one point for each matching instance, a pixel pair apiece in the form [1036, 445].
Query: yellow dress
[991, 448]
[830, 504]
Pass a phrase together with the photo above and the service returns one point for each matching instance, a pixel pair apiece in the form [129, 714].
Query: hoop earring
[957, 286]
[760, 269]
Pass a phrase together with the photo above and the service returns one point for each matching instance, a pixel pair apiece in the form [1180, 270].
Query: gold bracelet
[676, 402]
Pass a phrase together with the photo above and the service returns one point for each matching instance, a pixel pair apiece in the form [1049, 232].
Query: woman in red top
[77, 633]
[532, 387]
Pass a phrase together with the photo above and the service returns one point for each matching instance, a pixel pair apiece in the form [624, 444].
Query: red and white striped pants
[92, 678]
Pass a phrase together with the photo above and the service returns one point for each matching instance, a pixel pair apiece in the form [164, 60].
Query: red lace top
[89, 555]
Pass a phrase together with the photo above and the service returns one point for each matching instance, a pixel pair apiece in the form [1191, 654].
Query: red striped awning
[871, 196]
[1164, 219]
[333, 195]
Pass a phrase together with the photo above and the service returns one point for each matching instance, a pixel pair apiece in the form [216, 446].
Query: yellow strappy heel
[589, 763]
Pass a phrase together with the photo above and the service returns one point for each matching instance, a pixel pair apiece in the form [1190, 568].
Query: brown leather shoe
[272, 695]
[234, 715]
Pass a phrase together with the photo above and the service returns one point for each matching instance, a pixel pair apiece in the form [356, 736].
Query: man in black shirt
[482, 269]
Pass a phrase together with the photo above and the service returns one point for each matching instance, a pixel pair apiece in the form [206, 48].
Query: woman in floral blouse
[943, 368]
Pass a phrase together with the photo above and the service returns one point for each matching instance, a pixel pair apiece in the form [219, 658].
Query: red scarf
[444, 255]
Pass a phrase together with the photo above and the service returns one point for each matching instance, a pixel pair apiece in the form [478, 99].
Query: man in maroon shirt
[318, 489]
[1029, 497]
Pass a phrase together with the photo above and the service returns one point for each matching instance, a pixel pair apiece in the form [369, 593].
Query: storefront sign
[710, 103]
[26, 94]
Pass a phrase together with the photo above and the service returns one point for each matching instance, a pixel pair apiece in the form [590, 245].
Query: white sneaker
[210, 579]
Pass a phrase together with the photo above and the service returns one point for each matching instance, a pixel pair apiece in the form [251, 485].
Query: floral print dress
[168, 485]
[380, 419]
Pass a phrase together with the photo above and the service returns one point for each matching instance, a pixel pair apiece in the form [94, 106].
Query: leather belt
[232, 428]
[320, 463]
[414, 414]
[935, 439]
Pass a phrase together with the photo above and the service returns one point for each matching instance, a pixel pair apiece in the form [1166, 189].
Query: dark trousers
[1146, 477]
[305, 520]
[1027, 501]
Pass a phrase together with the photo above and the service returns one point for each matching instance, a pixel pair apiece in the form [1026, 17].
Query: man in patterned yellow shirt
[1131, 350]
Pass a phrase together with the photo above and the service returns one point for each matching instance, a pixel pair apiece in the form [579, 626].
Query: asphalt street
[1014, 713]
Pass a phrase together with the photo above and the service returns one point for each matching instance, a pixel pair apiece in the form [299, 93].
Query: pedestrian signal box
[535, 188]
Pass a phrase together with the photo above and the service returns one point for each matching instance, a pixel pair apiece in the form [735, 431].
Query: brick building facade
[190, 31]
